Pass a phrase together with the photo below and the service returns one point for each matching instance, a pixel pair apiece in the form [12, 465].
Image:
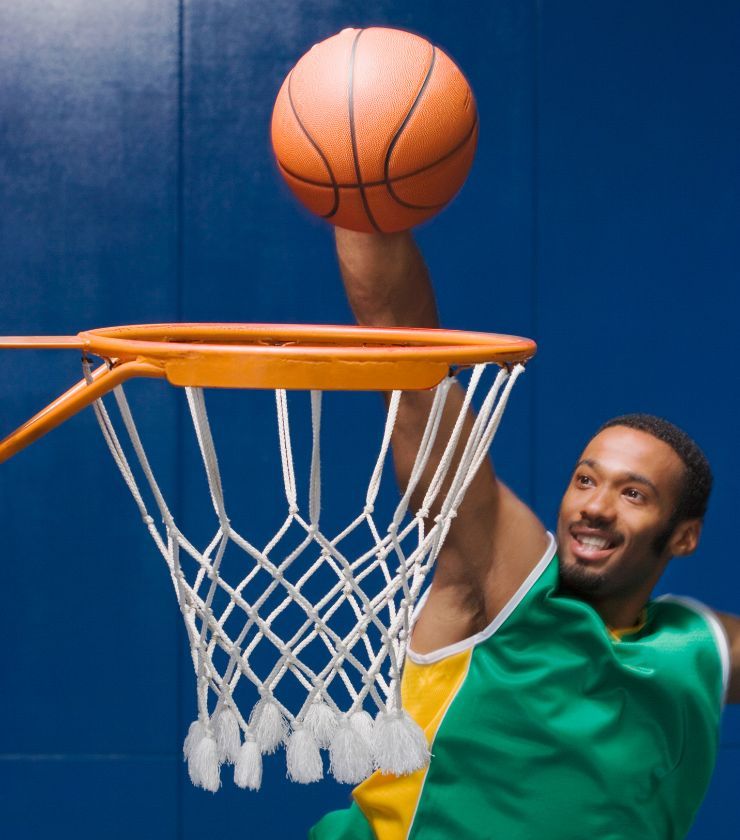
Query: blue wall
[136, 185]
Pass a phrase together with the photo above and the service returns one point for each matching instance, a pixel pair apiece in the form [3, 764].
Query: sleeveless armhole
[498, 621]
[430, 685]
[718, 631]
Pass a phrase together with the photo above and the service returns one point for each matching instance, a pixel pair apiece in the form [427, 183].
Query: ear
[685, 537]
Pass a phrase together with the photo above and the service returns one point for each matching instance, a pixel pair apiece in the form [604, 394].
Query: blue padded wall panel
[107, 797]
[88, 168]
[638, 251]
[88, 234]
[719, 817]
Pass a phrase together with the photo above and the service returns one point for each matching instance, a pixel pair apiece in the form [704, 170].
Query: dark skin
[616, 528]
[622, 494]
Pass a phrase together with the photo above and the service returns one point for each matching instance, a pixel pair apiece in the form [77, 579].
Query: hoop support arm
[79, 396]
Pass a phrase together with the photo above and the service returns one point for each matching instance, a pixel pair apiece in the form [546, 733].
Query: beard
[586, 582]
[589, 583]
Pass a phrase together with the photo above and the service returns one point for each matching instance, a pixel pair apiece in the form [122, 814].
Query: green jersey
[547, 724]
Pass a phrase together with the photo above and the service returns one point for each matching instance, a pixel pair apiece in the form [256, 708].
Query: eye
[634, 495]
[583, 480]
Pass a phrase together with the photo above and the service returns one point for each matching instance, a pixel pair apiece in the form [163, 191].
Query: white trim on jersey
[487, 632]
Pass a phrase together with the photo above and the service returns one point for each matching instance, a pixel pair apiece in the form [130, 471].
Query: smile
[593, 542]
[592, 545]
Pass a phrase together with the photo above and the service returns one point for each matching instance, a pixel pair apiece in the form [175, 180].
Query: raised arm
[386, 279]
[495, 540]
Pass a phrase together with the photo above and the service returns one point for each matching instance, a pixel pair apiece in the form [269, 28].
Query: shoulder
[695, 625]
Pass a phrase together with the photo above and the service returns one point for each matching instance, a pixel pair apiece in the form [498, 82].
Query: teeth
[593, 542]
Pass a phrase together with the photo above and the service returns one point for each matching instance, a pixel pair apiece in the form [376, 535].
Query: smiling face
[616, 528]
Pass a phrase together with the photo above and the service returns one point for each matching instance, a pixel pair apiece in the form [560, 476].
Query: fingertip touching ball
[375, 129]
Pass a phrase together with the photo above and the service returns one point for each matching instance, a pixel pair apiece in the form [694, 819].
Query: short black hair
[697, 484]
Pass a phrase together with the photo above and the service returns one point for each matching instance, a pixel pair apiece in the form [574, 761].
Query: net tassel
[204, 765]
[362, 721]
[350, 755]
[248, 765]
[228, 736]
[269, 725]
[400, 744]
[303, 757]
[196, 732]
[321, 722]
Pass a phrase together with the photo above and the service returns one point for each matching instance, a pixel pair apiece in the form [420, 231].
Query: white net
[300, 642]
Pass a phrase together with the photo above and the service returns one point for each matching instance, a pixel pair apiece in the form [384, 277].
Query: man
[559, 702]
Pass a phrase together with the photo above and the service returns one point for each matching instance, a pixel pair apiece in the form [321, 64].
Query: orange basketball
[375, 129]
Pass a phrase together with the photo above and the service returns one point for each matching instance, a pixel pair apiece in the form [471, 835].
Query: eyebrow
[635, 478]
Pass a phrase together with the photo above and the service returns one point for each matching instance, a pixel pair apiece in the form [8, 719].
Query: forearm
[387, 284]
[386, 279]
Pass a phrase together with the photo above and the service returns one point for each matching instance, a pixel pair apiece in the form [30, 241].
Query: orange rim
[304, 340]
[290, 356]
[302, 356]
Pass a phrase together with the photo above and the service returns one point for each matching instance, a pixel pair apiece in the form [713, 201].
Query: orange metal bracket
[79, 396]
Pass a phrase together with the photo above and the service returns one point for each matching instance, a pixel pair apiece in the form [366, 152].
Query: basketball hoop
[341, 647]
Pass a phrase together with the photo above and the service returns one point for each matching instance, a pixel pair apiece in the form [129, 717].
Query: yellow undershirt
[618, 632]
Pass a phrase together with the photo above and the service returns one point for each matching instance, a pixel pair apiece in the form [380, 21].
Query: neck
[620, 607]
[620, 614]
[623, 609]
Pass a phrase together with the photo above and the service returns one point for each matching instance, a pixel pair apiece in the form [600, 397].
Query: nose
[599, 507]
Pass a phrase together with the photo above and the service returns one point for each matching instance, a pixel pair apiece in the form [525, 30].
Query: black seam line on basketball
[318, 150]
[457, 148]
[420, 93]
[351, 99]
[386, 182]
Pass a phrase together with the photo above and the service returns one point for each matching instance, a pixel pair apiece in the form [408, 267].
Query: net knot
[368, 509]
[423, 512]
[147, 519]
[293, 509]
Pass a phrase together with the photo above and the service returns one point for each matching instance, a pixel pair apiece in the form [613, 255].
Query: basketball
[375, 129]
